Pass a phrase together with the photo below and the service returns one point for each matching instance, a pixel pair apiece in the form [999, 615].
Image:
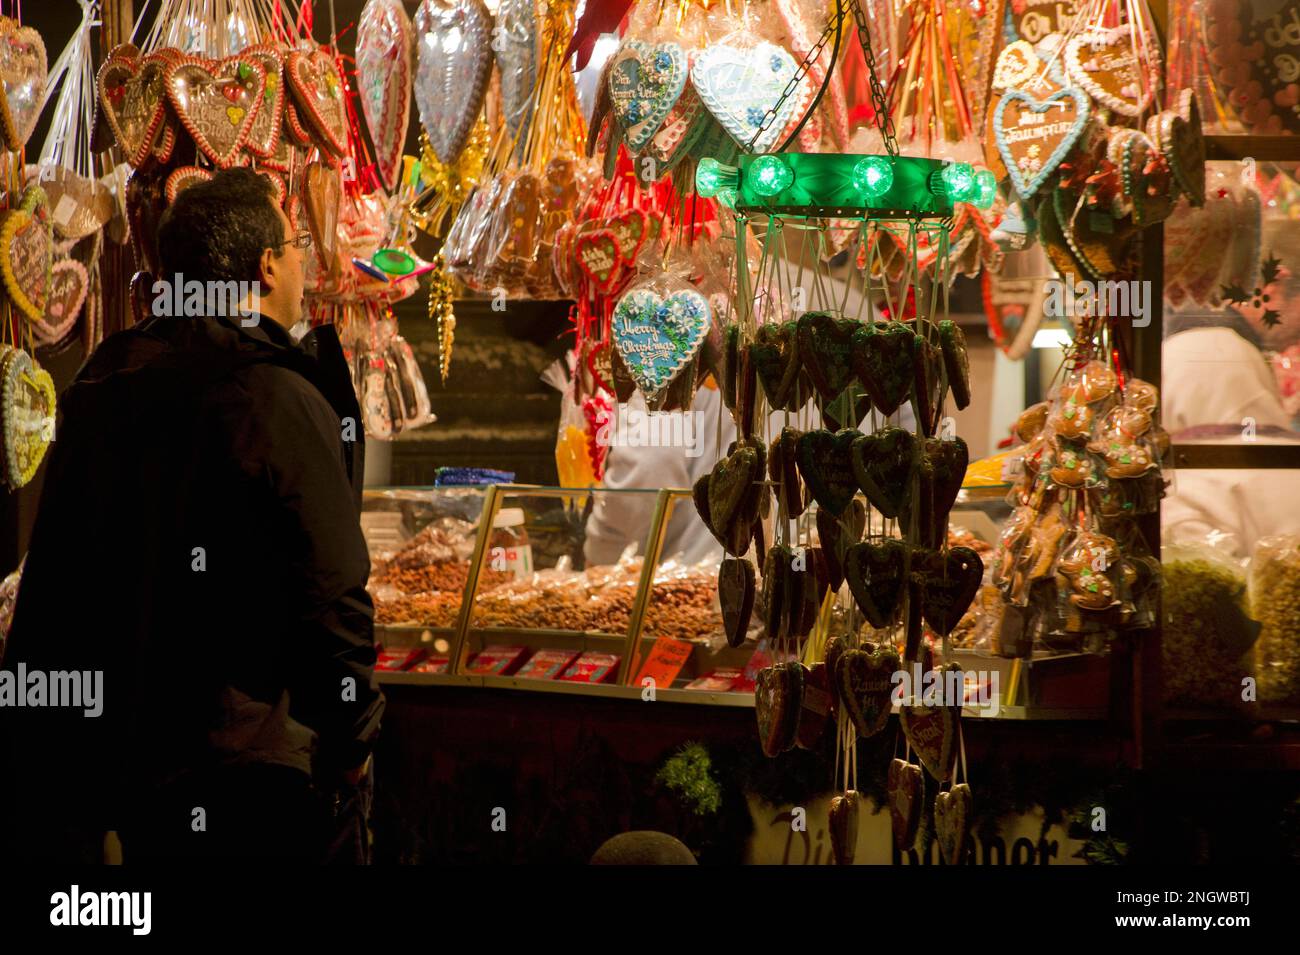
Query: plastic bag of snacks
[1207, 635]
[1275, 603]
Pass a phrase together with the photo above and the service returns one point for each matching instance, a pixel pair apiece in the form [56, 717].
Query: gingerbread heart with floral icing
[217, 102]
[318, 91]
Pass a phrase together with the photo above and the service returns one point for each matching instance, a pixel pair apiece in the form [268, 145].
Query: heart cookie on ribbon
[645, 82]
[949, 583]
[877, 576]
[318, 91]
[1034, 135]
[816, 707]
[385, 41]
[23, 74]
[842, 820]
[181, 178]
[268, 124]
[952, 822]
[932, 732]
[783, 469]
[1107, 64]
[882, 464]
[217, 102]
[864, 681]
[736, 589]
[825, 463]
[740, 83]
[730, 483]
[69, 283]
[778, 695]
[774, 354]
[132, 100]
[27, 253]
[658, 335]
[826, 350]
[882, 360]
[27, 410]
[904, 788]
[599, 257]
[451, 76]
[320, 202]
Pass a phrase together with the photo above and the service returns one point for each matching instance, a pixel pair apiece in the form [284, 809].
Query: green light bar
[825, 184]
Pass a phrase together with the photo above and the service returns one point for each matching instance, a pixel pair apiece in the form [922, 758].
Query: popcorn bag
[1275, 603]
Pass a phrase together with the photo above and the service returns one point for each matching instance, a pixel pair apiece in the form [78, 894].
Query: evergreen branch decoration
[688, 775]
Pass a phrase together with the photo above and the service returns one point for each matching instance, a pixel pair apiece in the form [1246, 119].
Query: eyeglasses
[301, 240]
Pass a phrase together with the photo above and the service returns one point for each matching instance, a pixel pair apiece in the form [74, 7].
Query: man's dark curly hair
[217, 230]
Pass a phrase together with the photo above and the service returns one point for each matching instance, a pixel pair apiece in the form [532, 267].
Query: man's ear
[266, 267]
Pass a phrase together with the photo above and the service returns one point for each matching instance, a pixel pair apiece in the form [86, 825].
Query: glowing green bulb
[873, 176]
[959, 182]
[709, 177]
[986, 189]
[770, 175]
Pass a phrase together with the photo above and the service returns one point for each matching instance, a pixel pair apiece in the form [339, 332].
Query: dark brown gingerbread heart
[927, 385]
[932, 733]
[731, 352]
[877, 575]
[883, 464]
[842, 820]
[952, 821]
[730, 483]
[865, 684]
[774, 355]
[736, 594]
[777, 699]
[882, 360]
[783, 468]
[826, 351]
[905, 799]
[948, 583]
[816, 707]
[956, 361]
[826, 466]
[776, 570]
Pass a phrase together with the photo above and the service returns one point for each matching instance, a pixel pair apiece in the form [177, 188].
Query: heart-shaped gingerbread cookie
[318, 92]
[826, 350]
[27, 410]
[905, 800]
[882, 360]
[1034, 135]
[825, 463]
[23, 75]
[736, 594]
[27, 252]
[932, 732]
[883, 465]
[774, 353]
[864, 681]
[217, 102]
[132, 100]
[778, 696]
[952, 822]
[842, 820]
[877, 576]
[816, 708]
[69, 283]
[949, 583]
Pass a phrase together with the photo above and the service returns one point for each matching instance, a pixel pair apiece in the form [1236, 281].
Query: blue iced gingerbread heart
[658, 335]
[1013, 145]
[645, 80]
[740, 85]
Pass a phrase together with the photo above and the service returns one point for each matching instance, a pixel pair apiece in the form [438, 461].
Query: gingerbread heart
[882, 360]
[385, 45]
[23, 75]
[826, 350]
[318, 92]
[217, 102]
[838, 533]
[453, 72]
[659, 335]
[1107, 64]
[877, 575]
[730, 481]
[952, 340]
[645, 82]
[27, 253]
[774, 353]
[952, 822]
[700, 496]
[825, 462]
[905, 799]
[778, 696]
[28, 411]
[132, 100]
[631, 228]
[741, 80]
[1034, 135]
[949, 583]
[736, 594]
[864, 680]
[927, 385]
[268, 124]
[599, 257]
[883, 464]
[783, 469]
[777, 590]
[815, 707]
[69, 283]
[181, 178]
[932, 732]
[942, 470]
[842, 820]
[320, 199]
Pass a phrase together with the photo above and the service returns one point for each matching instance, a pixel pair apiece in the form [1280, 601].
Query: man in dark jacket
[198, 542]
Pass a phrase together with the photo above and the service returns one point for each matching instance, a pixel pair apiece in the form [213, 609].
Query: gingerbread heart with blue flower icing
[1034, 135]
[658, 335]
[741, 84]
[645, 81]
